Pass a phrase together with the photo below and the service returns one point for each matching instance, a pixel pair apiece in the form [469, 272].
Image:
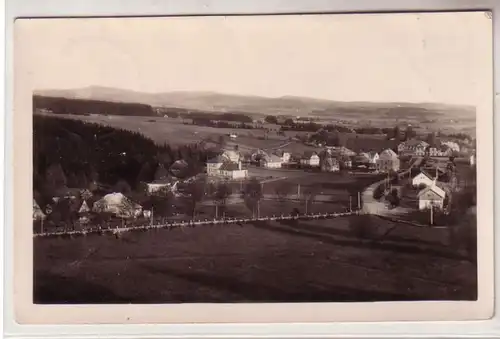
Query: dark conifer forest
[72, 153]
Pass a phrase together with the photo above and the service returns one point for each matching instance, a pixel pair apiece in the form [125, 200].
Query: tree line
[83, 107]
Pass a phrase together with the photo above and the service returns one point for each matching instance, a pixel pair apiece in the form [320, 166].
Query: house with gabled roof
[388, 161]
[373, 157]
[310, 159]
[413, 147]
[271, 161]
[37, 212]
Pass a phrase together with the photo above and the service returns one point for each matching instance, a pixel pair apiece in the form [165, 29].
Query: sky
[433, 57]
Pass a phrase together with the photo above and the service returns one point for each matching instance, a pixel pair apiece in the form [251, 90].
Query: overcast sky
[403, 57]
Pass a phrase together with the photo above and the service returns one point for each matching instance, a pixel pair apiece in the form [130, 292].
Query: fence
[193, 223]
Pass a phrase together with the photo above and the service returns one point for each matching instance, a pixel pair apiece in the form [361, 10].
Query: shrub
[378, 193]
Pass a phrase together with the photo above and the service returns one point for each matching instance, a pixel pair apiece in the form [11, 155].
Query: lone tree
[220, 193]
[283, 191]
[308, 197]
[252, 194]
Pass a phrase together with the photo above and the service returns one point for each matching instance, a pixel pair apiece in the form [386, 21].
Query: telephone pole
[350, 203]
[359, 200]
[432, 215]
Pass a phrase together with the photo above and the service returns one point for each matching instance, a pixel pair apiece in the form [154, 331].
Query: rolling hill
[255, 105]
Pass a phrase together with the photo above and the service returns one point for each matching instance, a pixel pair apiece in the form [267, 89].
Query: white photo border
[96, 8]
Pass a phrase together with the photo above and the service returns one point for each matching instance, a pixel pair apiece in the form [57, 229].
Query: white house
[422, 178]
[84, 208]
[285, 156]
[214, 164]
[158, 185]
[431, 196]
[452, 145]
[413, 147]
[232, 170]
[37, 211]
[271, 161]
[441, 151]
[373, 157]
[310, 159]
[228, 166]
[388, 161]
[119, 205]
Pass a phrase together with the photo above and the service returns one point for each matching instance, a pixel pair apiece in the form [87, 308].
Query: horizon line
[257, 96]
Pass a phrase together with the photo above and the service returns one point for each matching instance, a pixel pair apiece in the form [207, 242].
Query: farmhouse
[431, 197]
[271, 161]
[346, 151]
[423, 178]
[413, 147]
[119, 205]
[84, 208]
[160, 185]
[362, 158]
[285, 156]
[373, 157]
[214, 164]
[310, 159]
[440, 151]
[330, 164]
[388, 161]
[232, 170]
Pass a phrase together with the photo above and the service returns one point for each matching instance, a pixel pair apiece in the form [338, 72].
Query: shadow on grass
[359, 243]
[258, 292]
[348, 233]
[53, 289]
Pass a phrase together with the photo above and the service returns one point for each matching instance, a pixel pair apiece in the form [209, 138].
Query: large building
[388, 161]
[413, 147]
[227, 166]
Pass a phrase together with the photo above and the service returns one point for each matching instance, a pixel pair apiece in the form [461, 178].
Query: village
[413, 177]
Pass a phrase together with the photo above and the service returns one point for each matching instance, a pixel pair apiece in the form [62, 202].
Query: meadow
[265, 262]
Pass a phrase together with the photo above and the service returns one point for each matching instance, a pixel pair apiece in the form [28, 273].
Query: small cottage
[271, 161]
[423, 178]
[431, 197]
[310, 159]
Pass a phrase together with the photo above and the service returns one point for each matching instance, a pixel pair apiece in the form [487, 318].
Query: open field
[267, 262]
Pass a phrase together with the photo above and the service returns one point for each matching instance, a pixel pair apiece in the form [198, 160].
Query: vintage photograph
[255, 159]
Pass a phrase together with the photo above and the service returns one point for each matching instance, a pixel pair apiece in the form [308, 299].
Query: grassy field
[266, 262]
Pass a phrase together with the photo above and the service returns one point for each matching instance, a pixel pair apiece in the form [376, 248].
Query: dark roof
[217, 160]
[229, 166]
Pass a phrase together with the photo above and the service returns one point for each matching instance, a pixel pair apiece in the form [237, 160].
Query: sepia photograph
[257, 159]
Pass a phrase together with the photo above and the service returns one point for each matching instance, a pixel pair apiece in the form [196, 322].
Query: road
[373, 206]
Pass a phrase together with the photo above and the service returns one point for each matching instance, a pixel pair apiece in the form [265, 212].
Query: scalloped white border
[54, 8]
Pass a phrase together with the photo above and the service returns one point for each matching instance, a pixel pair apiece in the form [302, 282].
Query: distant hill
[255, 105]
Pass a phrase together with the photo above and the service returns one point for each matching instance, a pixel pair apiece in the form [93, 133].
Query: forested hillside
[72, 153]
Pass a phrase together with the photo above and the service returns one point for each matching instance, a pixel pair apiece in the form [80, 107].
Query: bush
[378, 193]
